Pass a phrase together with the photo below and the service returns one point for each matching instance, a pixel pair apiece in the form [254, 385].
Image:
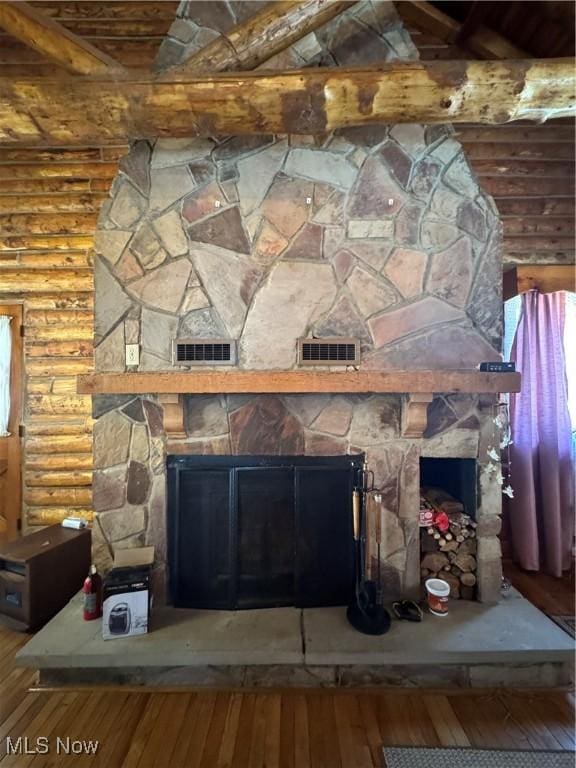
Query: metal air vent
[204, 352]
[329, 351]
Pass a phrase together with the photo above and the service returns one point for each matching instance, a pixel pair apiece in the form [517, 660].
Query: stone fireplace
[380, 233]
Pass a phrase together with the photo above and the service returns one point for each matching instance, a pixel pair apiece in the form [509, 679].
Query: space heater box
[127, 594]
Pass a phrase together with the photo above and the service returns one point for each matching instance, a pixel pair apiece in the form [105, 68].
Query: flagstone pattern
[377, 232]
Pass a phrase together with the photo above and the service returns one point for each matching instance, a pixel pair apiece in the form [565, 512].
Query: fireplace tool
[364, 612]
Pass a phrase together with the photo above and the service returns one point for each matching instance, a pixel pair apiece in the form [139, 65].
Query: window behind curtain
[512, 309]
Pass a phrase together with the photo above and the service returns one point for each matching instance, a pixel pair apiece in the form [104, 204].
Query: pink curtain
[542, 511]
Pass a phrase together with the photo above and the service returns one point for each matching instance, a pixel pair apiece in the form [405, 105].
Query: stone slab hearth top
[513, 631]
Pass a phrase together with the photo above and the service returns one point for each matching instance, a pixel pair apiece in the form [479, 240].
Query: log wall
[49, 202]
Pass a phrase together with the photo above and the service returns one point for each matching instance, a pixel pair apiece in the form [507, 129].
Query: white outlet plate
[132, 354]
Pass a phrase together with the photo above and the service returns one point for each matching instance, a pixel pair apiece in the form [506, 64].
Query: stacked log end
[449, 554]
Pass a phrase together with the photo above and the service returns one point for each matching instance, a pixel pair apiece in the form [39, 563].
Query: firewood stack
[447, 543]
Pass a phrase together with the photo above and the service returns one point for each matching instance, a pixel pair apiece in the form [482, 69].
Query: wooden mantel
[417, 387]
[297, 382]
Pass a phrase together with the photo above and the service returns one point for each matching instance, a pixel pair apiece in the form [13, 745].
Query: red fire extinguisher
[92, 589]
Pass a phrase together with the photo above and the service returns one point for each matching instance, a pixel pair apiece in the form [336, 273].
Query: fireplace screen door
[259, 532]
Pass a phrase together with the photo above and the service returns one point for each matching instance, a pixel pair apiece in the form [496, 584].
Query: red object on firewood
[442, 521]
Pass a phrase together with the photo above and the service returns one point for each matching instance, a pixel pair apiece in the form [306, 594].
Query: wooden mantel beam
[296, 382]
[97, 110]
[54, 41]
[263, 35]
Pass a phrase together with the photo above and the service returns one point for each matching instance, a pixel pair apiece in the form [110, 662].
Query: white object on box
[74, 522]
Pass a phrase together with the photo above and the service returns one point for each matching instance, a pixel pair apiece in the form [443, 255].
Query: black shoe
[407, 610]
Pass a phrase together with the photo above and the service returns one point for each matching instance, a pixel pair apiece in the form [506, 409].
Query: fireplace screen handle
[356, 513]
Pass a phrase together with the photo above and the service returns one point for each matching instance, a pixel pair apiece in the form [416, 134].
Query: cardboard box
[126, 594]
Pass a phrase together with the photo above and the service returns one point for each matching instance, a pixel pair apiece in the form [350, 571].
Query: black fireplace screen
[260, 531]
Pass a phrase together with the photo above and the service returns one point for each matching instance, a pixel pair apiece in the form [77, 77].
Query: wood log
[468, 579]
[546, 279]
[68, 332]
[47, 186]
[44, 155]
[73, 462]
[541, 225]
[63, 425]
[53, 444]
[38, 386]
[454, 583]
[48, 223]
[450, 546]
[57, 366]
[504, 186]
[41, 260]
[47, 243]
[465, 563]
[516, 133]
[57, 479]
[468, 547]
[264, 34]
[101, 110]
[56, 404]
[54, 41]
[51, 515]
[524, 168]
[60, 349]
[68, 300]
[18, 280]
[83, 203]
[68, 170]
[434, 561]
[58, 496]
[539, 244]
[64, 385]
[506, 152]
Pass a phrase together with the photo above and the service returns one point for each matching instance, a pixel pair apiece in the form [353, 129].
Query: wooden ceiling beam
[100, 110]
[54, 41]
[546, 278]
[266, 33]
[481, 40]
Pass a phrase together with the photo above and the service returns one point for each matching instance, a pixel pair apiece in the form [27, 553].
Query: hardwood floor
[554, 597]
[283, 728]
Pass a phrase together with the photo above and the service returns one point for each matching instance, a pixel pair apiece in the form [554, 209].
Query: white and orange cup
[437, 594]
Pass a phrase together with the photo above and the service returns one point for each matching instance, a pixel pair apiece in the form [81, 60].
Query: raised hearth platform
[509, 644]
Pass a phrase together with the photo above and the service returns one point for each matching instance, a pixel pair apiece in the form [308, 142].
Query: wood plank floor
[553, 596]
[283, 728]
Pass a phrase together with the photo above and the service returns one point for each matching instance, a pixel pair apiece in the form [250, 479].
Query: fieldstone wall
[381, 233]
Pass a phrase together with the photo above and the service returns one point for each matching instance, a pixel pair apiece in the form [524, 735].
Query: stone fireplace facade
[380, 233]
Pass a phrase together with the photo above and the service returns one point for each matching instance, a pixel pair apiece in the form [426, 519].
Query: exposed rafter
[481, 40]
[54, 41]
[263, 35]
[97, 110]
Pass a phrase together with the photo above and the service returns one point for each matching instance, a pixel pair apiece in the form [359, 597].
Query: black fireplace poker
[365, 612]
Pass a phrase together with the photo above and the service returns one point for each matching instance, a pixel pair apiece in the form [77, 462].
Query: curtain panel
[5, 358]
[542, 510]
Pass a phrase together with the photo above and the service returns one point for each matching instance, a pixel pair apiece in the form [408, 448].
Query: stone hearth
[381, 233]
[511, 644]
